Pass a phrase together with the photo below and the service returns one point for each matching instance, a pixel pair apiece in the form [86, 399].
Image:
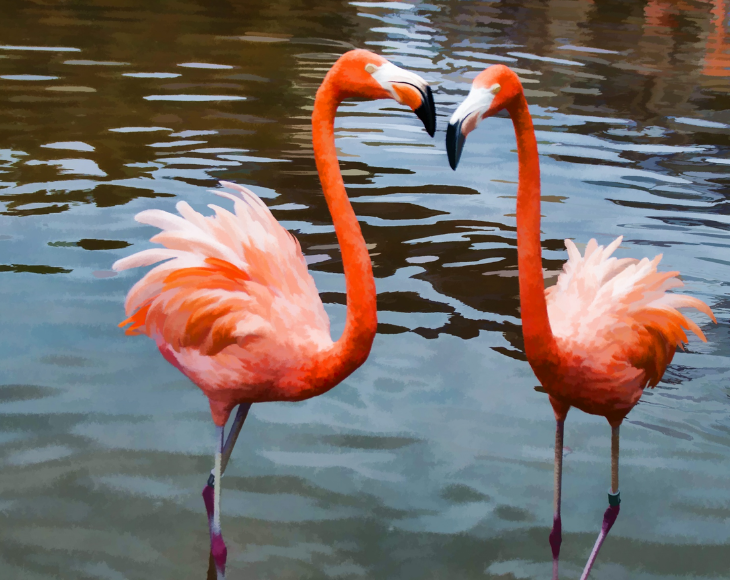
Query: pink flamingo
[606, 330]
[233, 306]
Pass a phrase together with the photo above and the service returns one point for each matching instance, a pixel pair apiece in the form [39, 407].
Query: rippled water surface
[435, 459]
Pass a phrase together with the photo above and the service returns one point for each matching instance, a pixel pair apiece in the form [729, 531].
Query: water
[435, 459]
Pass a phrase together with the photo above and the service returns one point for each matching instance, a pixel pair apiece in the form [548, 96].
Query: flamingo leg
[556, 536]
[210, 489]
[241, 415]
[614, 504]
[217, 545]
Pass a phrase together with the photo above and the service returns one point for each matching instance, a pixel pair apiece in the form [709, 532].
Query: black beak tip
[427, 112]
[454, 143]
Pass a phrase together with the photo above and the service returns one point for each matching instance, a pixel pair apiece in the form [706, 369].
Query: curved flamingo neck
[353, 347]
[540, 344]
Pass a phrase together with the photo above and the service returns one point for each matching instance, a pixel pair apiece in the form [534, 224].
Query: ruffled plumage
[615, 323]
[232, 304]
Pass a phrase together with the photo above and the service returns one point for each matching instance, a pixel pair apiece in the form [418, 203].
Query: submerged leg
[209, 491]
[217, 545]
[241, 415]
[556, 536]
[614, 501]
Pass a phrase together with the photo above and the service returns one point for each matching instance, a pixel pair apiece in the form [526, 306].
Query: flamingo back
[614, 320]
[232, 304]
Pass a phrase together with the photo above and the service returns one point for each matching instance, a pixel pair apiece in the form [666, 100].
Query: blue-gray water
[434, 460]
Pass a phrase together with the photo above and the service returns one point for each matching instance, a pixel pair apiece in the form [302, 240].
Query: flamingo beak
[466, 118]
[427, 112]
[420, 99]
[455, 140]
[408, 89]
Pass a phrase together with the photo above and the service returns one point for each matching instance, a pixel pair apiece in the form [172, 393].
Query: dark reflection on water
[435, 459]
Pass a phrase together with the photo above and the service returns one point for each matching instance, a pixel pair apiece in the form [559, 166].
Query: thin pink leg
[609, 517]
[217, 545]
[241, 415]
[556, 537]
[614, 505]
[208, 492]
[211, 495]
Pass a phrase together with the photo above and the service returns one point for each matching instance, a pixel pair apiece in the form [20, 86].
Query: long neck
[353, 347]
[539, 341]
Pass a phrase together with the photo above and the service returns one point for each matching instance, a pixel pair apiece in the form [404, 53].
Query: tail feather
[227, 229]
[163, 220]
[684, 301]
[145, 258]
[195, 243]
[591, 247]
[245, 194]
[573, 251]
[187, 212]
[216, 274]
[611, 248]
[691, 325]
[626, 294]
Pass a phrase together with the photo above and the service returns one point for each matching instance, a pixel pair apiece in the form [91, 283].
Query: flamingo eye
[370, 68]
[495, 88]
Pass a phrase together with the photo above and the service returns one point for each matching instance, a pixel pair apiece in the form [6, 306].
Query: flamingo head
[494, 89]
[366, 75]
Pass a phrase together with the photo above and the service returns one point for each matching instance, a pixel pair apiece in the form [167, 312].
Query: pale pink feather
[271, 309]
[600, 303]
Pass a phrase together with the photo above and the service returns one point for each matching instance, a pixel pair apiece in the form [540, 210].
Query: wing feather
[227, 280]
[145, 258]
[619, 312]
[189, 214]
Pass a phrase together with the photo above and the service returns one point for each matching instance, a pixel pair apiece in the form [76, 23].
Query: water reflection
[437, 454]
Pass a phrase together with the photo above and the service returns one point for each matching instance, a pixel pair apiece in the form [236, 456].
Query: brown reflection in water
[645, 61]
[668, 52]
[149, 38]
[717, 58]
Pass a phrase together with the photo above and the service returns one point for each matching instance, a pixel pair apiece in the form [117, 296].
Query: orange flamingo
[606, 330]
[233, 306]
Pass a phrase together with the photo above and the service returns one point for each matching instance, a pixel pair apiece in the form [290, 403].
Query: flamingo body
[616, 328]
[233, 305]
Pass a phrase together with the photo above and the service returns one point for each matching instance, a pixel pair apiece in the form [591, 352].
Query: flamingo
[606, 330]
[233, 306]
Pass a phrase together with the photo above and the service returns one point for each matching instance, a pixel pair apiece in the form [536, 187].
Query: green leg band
[614, 499]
